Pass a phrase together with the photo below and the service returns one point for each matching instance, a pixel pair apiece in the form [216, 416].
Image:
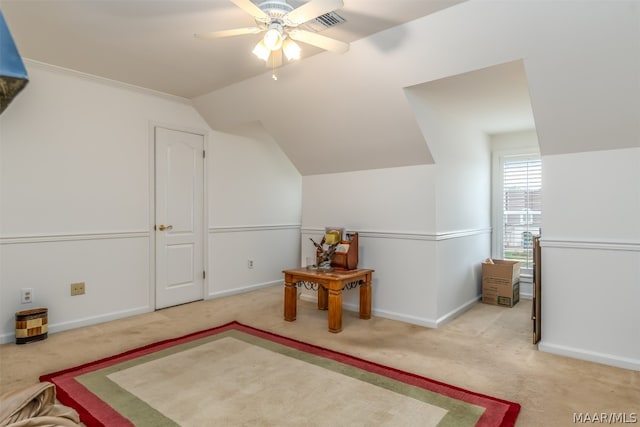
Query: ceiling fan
[280, 21]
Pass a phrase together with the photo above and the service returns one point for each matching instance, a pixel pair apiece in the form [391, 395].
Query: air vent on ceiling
[325, 21]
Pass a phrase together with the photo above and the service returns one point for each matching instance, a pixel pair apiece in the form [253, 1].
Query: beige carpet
[236, 375]
[250, 375]
[229, 382]
[488, 349]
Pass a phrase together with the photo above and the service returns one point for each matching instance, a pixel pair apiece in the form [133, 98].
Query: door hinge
[204, 274]
[204, 154]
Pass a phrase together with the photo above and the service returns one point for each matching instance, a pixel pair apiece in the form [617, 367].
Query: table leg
[323, 303]
[365, 298]
[335, 310]
[290, 301]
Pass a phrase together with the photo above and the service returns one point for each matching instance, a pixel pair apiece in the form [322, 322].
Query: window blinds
[522, 207]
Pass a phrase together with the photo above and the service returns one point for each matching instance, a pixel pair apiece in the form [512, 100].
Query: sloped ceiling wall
[334, 113]
[329, 113]
[491, 100]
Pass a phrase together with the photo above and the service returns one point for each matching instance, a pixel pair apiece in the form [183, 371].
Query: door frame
[152, 207]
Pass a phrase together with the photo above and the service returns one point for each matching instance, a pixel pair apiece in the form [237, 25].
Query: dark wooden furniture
[346, 256]
[330, 286]
[537, 281]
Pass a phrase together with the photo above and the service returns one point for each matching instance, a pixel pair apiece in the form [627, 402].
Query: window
[517, 207]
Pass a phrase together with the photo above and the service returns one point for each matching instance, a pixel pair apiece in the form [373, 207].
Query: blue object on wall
[13, 74]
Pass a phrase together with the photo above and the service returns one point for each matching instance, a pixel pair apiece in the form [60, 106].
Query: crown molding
[105, 81]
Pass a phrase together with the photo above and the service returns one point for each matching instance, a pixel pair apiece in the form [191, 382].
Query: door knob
[165, 227]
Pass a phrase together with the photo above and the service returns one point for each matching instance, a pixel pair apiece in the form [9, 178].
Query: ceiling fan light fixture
[273, 39]
[291, 49]
[279, 21]
[262, 51]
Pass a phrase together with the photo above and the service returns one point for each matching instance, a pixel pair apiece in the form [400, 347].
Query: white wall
[463, 188]
[585, 98]
[459, 272]
[462, 199]
[592, 196]
[392, 210]
[591, 256]
[395, 200]
[520, 140]
[75, 199]
[255, 194]
[422, 275]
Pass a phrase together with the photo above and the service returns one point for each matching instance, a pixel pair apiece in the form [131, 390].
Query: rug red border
[94, 412]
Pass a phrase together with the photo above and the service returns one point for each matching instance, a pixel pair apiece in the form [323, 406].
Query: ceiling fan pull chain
[274, 76]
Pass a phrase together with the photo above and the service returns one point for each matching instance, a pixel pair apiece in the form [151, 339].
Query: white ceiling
[494, 99]
[333, 113]
[150, 43]
[343, 112]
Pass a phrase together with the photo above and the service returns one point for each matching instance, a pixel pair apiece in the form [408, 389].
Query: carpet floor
[487, 349]
[237, 375]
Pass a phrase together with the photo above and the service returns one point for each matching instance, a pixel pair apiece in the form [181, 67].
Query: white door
[179, 214]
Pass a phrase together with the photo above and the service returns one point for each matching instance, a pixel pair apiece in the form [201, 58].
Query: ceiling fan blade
[323, 42]
[252, 10]
[311, 10]
[228, 33]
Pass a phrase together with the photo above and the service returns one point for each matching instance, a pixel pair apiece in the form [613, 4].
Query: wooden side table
[329, 286]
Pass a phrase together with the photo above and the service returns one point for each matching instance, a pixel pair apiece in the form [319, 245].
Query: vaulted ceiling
[151, 43]
[490, 64]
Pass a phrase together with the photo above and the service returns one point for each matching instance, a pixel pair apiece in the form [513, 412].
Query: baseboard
[591, 356]
[458, 311]
[87, 321]
[428, 323]
[244, 289]
[414, 320]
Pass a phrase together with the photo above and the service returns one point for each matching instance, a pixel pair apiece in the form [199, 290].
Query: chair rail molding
[250, 228]
[591, 245]
[409, 235]
[67, 237]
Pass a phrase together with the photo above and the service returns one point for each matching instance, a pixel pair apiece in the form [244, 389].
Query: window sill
[526, 278]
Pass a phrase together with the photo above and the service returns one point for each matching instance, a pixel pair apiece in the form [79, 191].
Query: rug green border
[459, 413]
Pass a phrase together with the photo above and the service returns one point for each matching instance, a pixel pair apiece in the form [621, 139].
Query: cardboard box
[501, 282]
[501, 272]
[506, 295]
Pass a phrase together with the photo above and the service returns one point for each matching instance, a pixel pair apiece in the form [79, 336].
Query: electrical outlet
[77, 289]
[26, 295]
[249, 263]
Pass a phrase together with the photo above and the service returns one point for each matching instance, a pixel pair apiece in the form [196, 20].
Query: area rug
[237, 375]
